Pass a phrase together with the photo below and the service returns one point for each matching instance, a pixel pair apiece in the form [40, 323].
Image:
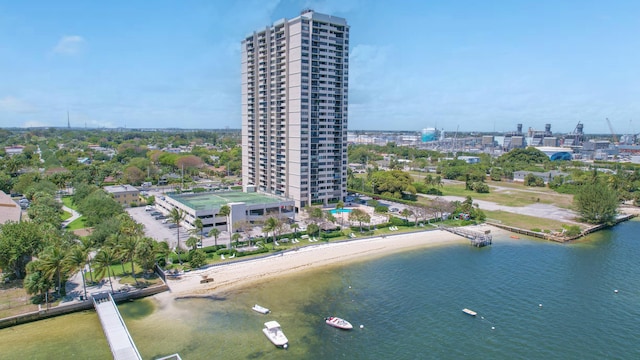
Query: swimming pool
[339, 211]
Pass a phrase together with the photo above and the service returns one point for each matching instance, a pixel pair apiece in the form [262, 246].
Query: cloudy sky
[473, 65]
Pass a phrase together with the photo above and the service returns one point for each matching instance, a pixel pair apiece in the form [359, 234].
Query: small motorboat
[469, 312]
[338, 323]
[260, 309]
[274, 333]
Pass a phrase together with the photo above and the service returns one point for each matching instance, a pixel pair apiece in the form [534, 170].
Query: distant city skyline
[472, 66]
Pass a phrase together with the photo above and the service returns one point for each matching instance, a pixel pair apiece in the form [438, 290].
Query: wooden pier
[478, 239]
[118, 337]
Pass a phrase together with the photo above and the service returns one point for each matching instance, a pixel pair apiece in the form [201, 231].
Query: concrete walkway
[74, 215]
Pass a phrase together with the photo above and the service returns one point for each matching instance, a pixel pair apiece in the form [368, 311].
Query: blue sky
[473, 65]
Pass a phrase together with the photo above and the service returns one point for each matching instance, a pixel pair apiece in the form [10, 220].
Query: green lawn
[524, 221]
[77, 224]
[511, 194]
[65, 215]
[66, 200]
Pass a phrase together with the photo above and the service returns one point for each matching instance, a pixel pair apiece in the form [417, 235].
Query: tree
[197, 228]
[235, 238]
[197, 258]
[270, 225]
[313, 229]
[176, 216]
[225, 210]
[145, 253]
[76, 260]
[192, 242]
[360, 216]
[103, 261]
[36, 282]
[596, 203]
[19, 242]
[53, 265]
[406, 213]
[127, 247]
[294, 227]
[215, 233]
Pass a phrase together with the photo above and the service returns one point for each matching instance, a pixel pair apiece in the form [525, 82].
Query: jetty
[120, 341]
[478, 239]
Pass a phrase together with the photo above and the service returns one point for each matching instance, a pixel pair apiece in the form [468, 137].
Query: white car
[164, 221]
[148, 208]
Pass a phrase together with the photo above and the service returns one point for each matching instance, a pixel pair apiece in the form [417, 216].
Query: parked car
[156, 213]
[148, 208]
[160, 217]
[173, 226]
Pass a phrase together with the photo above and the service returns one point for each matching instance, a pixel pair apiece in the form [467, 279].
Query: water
[410, 305]
[339, 211]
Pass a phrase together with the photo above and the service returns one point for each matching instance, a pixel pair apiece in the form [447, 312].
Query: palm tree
[87, 246]
[162, 250]
[406, 213]
[270, 225]
[52, 264]
[197, 228]
[235, 237]
[192, 242]
[127, 250]
[215, 233]
[294, 227]
[36, 282]
[76, 261]
[103, 260]
[176, 216]
[225, 211]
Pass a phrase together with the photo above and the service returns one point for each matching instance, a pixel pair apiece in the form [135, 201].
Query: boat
[261, 309]
[338, 323]
[514, 237]
[469, 312]
[274, 333]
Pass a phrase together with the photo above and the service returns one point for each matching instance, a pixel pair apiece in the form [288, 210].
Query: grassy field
[512, 194]
[66, 200]
[77, 224]
[65, 215]
[525, 222]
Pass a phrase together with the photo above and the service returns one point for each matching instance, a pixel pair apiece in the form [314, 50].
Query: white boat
[338, 323]
[261, 309]
[469, 312]
[274, 333]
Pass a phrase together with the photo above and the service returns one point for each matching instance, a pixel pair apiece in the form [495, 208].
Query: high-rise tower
[294, 109]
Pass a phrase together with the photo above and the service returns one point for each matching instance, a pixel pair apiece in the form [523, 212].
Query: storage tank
[428, 134]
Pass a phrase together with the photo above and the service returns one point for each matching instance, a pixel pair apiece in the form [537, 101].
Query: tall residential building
[294, 109]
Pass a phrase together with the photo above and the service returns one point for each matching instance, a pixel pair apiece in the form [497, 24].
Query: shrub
[331, 235]
[572, 230]
[536, 230]
[252, 252]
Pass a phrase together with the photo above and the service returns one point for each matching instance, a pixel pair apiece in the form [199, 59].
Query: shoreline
[237, 275]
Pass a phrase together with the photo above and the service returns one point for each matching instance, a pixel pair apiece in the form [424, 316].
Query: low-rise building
[9, 209]
[244, 206]
[519, 176]
[124, 194]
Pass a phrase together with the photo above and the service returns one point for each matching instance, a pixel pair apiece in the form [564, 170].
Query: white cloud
[69, 45]
[14, 105]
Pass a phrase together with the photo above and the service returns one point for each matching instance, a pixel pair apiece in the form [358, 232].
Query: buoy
[493, 328]
[540, 305]
[361, 326]
[349, 286]
[615, 291]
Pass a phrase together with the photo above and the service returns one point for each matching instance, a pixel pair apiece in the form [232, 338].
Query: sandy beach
[243, 273]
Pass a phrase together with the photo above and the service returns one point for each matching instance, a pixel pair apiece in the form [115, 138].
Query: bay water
[535, 300]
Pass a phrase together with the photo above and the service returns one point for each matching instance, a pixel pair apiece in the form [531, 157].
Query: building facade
[125, 195]
[294, 109]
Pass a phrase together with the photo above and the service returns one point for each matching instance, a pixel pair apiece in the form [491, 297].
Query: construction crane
[613, 133]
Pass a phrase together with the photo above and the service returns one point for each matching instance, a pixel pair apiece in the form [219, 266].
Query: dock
[477, 238]
[120, 341]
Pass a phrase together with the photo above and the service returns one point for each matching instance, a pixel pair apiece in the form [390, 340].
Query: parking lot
[156, 229]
